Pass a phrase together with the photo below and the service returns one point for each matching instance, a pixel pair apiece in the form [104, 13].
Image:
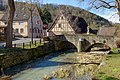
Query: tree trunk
[117, 2]
[31, 26]
[119, 13]
[9, 31]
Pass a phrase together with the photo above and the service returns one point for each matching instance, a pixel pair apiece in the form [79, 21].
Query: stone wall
[17, 56]
[81, 46]
[64, 45]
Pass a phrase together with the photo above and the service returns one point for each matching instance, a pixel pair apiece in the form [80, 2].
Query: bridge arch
[65, 45]
[98, 47]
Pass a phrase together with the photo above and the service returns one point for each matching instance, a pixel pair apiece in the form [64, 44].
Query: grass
[110, 71]
[33, 45]
[19, 48]
[27, 46]
[115, 51]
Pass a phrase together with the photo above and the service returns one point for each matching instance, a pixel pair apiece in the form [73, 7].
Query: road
[20, 40]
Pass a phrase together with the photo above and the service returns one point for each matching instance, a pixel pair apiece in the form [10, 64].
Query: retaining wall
[17, 56]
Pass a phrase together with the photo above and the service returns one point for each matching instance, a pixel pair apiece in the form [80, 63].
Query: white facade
[62, 27]
[20, 28]
[37, 27]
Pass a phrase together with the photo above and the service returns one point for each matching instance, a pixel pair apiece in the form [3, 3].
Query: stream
[37, 69]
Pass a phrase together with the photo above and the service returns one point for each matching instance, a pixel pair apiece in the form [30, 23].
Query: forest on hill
[93, 20]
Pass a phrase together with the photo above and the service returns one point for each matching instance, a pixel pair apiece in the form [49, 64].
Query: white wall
[37, 24]
[20, 25]
[65, 27]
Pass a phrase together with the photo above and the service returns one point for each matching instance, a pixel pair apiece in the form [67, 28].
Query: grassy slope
[110, 71]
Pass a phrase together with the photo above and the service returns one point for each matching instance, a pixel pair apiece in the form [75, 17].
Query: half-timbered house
[68, 24]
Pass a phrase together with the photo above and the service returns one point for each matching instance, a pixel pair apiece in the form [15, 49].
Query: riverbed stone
[5, 78]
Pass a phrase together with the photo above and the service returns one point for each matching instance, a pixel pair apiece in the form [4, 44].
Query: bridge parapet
[83, 41]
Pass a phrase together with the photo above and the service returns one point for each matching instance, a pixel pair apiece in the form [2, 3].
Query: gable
[69, 23]
[62, 25]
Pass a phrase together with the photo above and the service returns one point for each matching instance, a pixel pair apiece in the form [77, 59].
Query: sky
[106, 13]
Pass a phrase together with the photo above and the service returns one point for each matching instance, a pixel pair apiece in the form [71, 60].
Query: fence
[27, 45]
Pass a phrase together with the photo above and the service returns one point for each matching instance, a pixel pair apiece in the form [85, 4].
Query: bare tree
[31, 9]
[109, 4]
[9, 31]
[31, 6]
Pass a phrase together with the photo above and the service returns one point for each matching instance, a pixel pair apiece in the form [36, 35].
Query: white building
[22, 21]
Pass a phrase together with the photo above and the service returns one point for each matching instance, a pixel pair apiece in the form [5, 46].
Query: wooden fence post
[35, 43]
[14, 45]
[40, 40]
[3, 45]
[30, 44]
[23, 45]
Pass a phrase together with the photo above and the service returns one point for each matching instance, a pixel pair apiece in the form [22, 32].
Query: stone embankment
[12, 57]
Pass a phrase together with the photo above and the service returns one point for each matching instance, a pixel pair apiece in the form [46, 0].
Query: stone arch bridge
[84, 42]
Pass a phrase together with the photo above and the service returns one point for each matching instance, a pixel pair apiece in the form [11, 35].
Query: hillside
[93, 20]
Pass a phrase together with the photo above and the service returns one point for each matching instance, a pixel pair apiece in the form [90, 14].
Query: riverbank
[78, 66]
[38, 68]
[111, 70]
[14, 56]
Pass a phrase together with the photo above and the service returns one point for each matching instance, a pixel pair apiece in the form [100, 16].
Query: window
[22, 30]
[5, 23]
[38, 31]
[62, 17]
[30, 30]
[20, 22]
[13, 23]
[35, 30]
[59, 25]
[17, 31]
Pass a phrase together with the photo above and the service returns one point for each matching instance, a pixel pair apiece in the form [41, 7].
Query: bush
[118, 43]
[46, 39]
[2, 38]
[115, 51]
